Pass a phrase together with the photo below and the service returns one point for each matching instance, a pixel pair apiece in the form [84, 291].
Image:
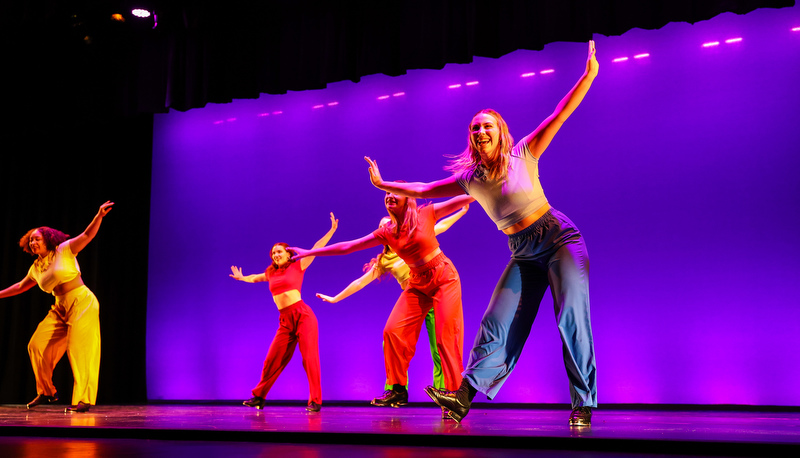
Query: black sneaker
[391, 398]
[256, 402]
[313, 407]
[581, 416]
[456, 402]
[42, 399]
[80, 407]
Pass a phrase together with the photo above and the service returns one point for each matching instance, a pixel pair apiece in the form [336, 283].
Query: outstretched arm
[447, 207]
[350, 246]
[305, 262]
[446, 187]
[446, 223]
[539, 139]
[18, 287]
[357, 285]
[79, 243]
[254, 278]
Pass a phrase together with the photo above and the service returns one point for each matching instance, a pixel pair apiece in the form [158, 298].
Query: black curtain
[81, 90]
[58, 167]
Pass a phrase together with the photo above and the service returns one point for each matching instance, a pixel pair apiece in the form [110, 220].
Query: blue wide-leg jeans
[550, 252]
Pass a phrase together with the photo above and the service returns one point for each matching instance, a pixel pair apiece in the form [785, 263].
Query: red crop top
[422, 242]
[284, 280]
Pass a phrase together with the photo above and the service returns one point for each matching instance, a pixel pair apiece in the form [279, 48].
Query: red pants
[434, 285]
[298, 324]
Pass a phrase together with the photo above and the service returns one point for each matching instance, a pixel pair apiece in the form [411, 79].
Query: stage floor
[362, 431]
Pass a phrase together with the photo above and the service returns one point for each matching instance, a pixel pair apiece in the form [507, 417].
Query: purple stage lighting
[693, 283]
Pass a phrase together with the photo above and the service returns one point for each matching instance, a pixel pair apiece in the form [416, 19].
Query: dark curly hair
[52, 238]
[274, 267]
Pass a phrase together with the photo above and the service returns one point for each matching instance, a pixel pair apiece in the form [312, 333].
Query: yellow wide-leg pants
[73, 326]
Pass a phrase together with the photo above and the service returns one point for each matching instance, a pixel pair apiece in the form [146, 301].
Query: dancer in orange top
[434, 283]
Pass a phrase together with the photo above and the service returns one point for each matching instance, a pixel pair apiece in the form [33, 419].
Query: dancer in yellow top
[73, 324]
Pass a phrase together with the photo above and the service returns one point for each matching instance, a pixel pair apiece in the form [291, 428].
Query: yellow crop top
[60, 267]
[392, 263]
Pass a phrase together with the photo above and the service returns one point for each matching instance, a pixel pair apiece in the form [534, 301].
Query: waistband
[72, 292]
[543, 221]
[289, 308]
[435, 262]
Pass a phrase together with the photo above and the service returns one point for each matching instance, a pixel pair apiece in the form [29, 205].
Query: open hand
[105, 208]
[374, 173]
[591, 62]
[299, 253]
[237, 273]
[326, 298]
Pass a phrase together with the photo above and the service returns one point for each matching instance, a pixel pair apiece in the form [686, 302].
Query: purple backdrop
[679, 167]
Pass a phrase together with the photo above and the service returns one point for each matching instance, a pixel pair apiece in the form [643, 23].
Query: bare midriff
[527, 221]
[66, 287]
[287, 298]
[425, 259]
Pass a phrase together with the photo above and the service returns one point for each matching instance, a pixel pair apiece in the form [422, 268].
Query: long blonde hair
[470, 158]
[409, 221]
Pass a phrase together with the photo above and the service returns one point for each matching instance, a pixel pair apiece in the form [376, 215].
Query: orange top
[412, 249]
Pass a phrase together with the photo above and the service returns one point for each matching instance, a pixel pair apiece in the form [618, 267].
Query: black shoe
[313, 407]
[81, 407]
[42, 399]
[457, 402]
[581, 416]
[392, 398]
[255, 401]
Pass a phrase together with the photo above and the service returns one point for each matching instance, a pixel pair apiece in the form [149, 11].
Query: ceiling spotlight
[142, 13]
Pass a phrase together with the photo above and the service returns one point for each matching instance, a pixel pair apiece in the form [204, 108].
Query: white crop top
[509, 201]
[61, 268]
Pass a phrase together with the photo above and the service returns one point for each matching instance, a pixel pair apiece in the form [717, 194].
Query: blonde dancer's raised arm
[540, 138]
[354, 287]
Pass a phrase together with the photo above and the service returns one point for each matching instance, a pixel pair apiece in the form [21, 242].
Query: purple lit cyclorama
[680, 168]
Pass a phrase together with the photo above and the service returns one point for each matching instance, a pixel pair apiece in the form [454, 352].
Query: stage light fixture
[145, 14]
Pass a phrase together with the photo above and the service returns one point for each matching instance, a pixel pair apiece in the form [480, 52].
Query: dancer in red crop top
[298, 324]
[434, 283]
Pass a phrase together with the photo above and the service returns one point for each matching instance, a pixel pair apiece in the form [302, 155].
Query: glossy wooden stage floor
[365, 431]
